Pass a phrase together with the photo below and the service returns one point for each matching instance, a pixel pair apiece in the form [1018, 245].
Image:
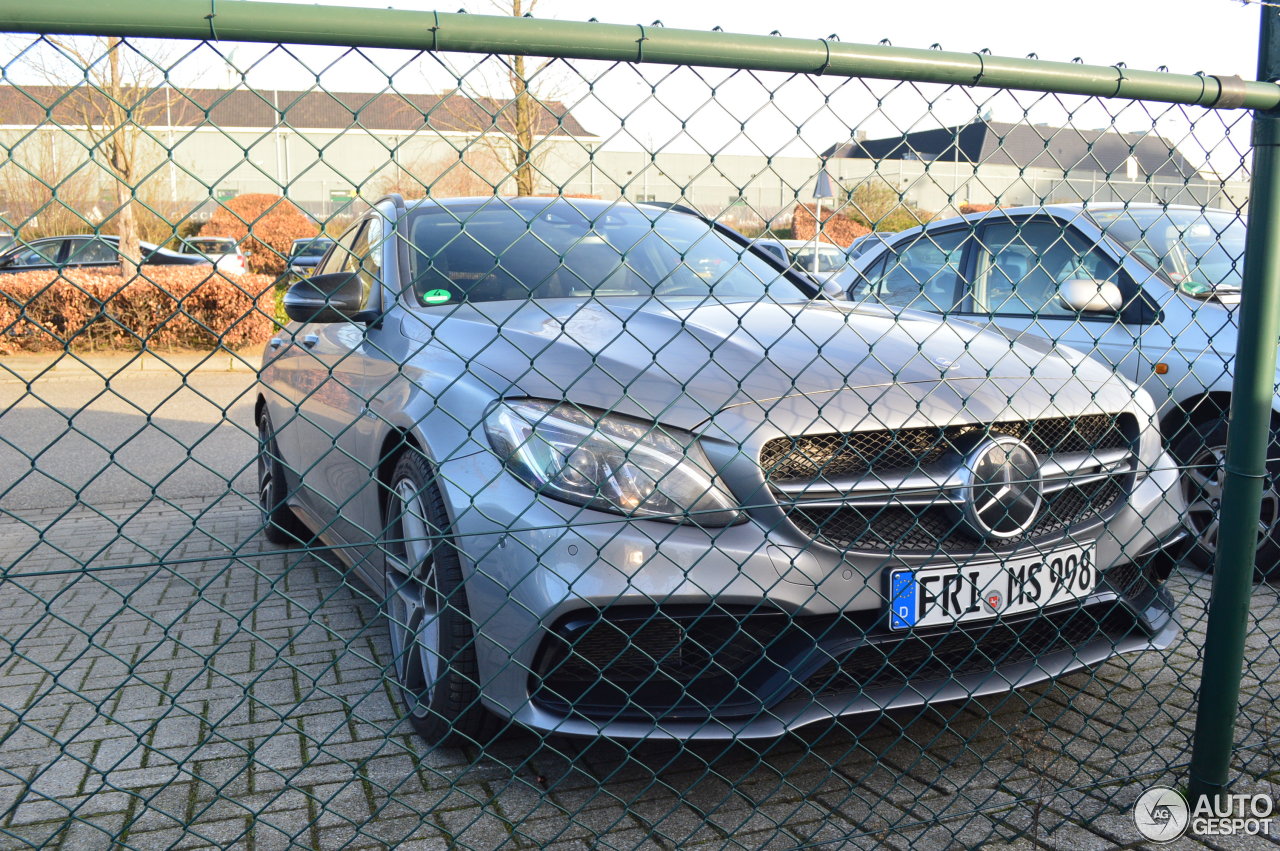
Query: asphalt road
[113, 429]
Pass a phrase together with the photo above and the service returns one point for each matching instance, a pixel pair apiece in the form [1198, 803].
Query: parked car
[88, 251]
[819, 259]
[598, 491]
[223, 251]
[1150, 290]
[306, 253]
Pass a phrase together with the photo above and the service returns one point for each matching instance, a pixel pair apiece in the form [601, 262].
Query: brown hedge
[836, 228]
[163, 307]
[267, 225]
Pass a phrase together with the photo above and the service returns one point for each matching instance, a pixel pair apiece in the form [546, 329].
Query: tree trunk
[120, 151]
[127, 228]
[524, 118]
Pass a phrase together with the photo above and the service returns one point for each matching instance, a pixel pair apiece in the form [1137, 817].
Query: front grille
[968, 650]
[883, 456]
[818, 456]
[885, 528]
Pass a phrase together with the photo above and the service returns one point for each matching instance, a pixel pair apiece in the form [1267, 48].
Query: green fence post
[1253, 390]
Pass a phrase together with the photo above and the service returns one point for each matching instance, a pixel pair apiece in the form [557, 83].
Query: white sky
[805, 115]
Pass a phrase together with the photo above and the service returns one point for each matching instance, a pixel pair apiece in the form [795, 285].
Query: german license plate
[936, 596]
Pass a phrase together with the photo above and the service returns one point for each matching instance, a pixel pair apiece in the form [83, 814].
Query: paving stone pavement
[193, 687]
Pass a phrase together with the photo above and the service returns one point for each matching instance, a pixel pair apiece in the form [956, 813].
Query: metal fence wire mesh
[423, 448]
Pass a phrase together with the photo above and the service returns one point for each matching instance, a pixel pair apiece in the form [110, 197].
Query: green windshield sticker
[436, 296]
[1194, 288]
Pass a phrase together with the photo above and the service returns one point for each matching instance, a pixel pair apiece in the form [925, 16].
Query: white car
[222, 251]
[819, 259]
[1150, 290]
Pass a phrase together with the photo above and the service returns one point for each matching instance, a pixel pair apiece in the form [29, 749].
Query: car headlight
[609, 462]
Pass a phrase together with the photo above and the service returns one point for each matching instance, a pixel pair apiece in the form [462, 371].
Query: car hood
[681, 363]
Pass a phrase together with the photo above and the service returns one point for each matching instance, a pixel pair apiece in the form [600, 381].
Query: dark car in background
[306, 254]
[85, 251]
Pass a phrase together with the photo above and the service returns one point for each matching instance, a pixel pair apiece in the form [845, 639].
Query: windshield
[310, 248]
[1200, 252]
[496, 250]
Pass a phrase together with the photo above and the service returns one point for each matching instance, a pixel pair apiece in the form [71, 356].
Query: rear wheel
[425, 605]
[1202, 452]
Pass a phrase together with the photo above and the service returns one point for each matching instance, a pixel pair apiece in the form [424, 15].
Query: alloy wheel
[1202, 482]
[413, 598]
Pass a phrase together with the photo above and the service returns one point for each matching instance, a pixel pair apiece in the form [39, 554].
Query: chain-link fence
[684, 440]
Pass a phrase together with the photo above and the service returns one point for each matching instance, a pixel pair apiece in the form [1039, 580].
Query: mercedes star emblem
[1001, 488]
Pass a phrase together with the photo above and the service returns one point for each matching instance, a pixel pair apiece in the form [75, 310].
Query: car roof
[805, 243]
[1064, 210]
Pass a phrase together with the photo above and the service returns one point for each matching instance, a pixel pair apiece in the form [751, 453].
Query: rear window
[209, 246]
[495, 251]
[311, 248]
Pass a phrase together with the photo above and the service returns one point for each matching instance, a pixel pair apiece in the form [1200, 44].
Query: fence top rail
[250, 20]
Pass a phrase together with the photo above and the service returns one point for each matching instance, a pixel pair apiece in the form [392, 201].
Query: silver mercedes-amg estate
[610, 471]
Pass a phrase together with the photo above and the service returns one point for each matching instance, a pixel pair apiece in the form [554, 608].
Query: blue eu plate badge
[902, 599]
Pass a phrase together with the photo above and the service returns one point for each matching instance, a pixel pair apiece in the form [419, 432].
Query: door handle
[310, 340]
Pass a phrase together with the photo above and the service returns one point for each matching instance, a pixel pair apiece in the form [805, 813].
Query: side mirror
[325, 298]
[1088, 295]
[831, 289]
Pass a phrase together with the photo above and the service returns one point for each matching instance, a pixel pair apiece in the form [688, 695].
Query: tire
[1201, 452]
[425, 606]
[279, 524]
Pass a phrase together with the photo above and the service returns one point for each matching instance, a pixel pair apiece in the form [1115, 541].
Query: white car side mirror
[832, 289]
[1090, 295]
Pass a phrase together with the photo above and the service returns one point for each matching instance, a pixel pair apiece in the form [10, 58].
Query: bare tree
[113, 92]
[511, 127]
[466, 173]
[525, 116]
[49, 188]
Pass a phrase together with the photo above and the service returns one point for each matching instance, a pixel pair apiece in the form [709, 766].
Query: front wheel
[425, 605]
[1202, 452]
[279, 524]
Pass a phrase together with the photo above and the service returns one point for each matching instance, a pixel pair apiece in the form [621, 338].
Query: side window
[1021, 265]
[340, 258]
[39, 254]
[367, 257]
[867, 283]
[925, 274]
[86, 251]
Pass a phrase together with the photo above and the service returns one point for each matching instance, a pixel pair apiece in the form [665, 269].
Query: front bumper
[721, 633]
